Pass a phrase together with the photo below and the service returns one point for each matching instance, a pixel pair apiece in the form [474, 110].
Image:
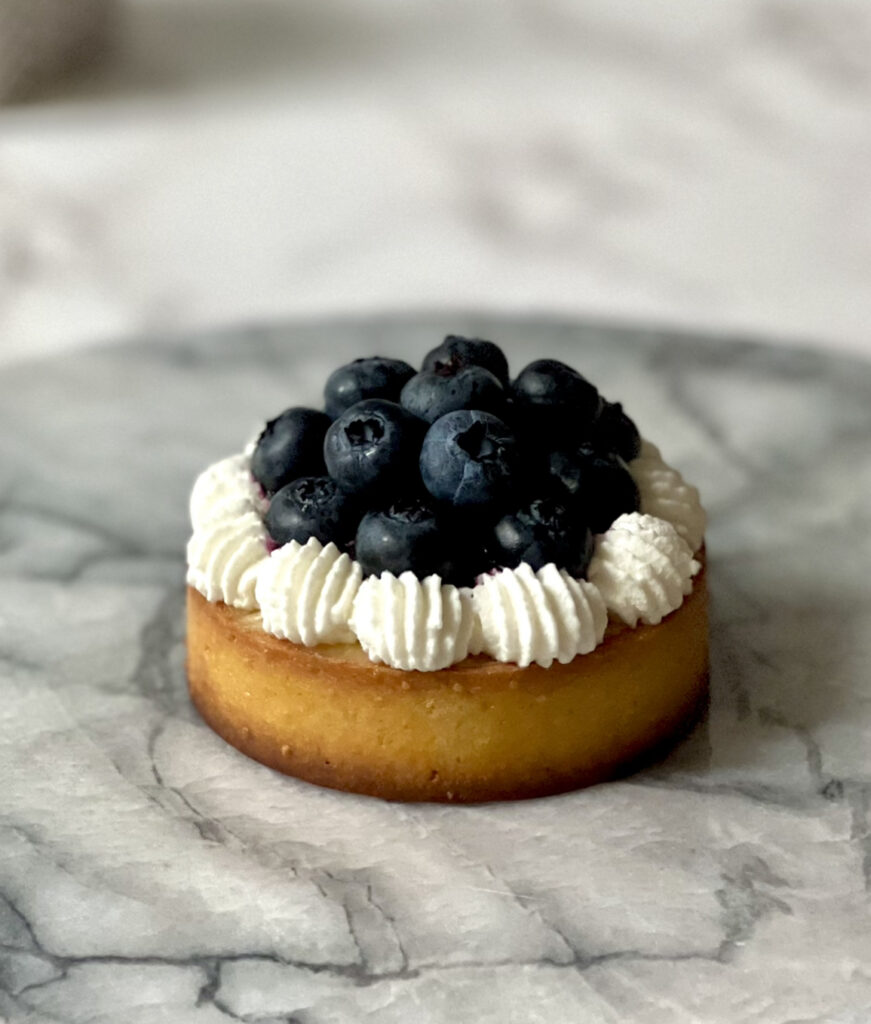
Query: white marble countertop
[150, 874]
[679, 162]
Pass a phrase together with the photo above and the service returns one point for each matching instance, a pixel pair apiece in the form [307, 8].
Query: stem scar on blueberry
[364, 432]
[477, 444]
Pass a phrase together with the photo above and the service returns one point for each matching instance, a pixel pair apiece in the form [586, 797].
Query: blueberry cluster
[454, 470]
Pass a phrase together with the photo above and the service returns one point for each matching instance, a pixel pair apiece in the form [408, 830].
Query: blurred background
[169, 165]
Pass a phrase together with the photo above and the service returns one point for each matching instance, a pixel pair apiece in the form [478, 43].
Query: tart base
[480, 730]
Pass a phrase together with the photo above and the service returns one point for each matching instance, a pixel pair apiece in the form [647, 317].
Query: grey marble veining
[149, 873]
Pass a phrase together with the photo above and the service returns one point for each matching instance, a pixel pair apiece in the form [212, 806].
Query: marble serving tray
[150, 873]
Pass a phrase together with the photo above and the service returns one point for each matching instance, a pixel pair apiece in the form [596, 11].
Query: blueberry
[601, 488]
[468, 458]
[313, 506]
[557, 398]
[365, 378]
[614, 433]
[546, 530]
[411, 535]
[432, 394]
[373, 448]
[455, 353]
[291, 445]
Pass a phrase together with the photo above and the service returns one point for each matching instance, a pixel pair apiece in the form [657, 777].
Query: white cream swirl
[412, 624]
[224, 558]
[223, 491]
[643, 568]
[539, 617]
[306, 592]
[311, 594]
[665, 494]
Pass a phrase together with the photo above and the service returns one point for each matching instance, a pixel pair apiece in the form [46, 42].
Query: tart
[449, 586]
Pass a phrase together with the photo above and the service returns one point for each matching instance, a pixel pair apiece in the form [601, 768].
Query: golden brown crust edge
[481, 730]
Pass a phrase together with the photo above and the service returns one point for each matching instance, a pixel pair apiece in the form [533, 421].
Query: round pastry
[449, 586]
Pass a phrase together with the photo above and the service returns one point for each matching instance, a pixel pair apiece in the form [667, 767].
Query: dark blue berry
[373, 448]
[455, 353]
[432, 394]
[601, 488]
[468, 458]
[614, 433]
[556, 398]
[291, 445]
[365, 378]
[410, 535]
[313, 506]
[546, 530]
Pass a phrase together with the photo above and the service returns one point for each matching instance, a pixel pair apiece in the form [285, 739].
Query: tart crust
[479, 730]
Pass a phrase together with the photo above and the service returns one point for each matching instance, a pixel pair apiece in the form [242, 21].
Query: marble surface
[681, 162]
[150, 873]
